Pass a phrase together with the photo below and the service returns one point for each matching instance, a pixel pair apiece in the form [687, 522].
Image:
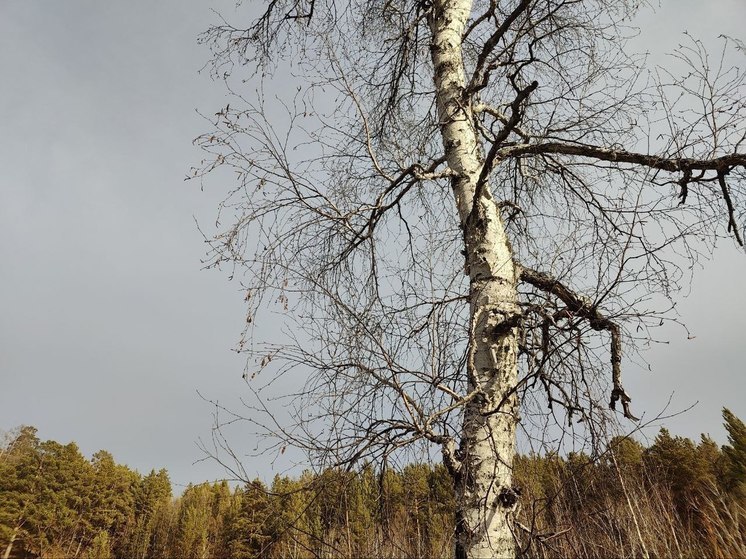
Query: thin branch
[580, 306]
[515, 117]
[732, 226]
[480, 76]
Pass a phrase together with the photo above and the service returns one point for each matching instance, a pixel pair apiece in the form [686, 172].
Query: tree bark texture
[483, 478]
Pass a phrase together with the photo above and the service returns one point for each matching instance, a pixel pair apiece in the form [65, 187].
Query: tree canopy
[467, 212]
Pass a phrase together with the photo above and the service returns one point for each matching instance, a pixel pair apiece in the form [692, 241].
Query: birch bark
[483, 479]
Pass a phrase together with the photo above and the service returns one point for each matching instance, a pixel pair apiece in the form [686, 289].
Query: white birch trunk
[484, 495]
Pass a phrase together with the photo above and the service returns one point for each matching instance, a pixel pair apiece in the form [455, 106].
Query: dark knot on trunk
[508, 497]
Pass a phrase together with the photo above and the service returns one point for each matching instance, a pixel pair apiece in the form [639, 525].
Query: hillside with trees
[674, 497]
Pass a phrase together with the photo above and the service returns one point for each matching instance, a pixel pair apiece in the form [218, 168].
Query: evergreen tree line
[676, 498]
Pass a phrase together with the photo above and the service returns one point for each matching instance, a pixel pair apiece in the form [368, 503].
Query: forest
[674, 497]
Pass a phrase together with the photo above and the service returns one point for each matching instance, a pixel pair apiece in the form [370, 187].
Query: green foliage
[113, 501]
[100, 547]
[627, 452]
[19, 485]
[54, 495]
[735, 453]
[292, 523]
[686, 468]
[250, 535]
[195, 518]
[674, 498]
[152, 530]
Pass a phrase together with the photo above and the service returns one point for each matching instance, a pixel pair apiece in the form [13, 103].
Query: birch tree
[466, 213]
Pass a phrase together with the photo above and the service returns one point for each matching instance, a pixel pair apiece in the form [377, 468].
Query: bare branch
[479, 77]
[582, 307]
[663, 163]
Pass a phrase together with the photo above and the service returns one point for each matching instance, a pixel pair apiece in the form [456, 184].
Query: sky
[109, 327]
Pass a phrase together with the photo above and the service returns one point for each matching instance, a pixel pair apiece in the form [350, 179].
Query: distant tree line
[675, 497]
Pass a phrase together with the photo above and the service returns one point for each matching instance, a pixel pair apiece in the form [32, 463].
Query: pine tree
[113, 505]
[221, 506]
[250, 536]
[20, 469]
[64, 501]
[735, 453]
[152, 501]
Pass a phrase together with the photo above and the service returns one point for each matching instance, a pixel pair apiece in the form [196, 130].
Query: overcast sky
[108, 325]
